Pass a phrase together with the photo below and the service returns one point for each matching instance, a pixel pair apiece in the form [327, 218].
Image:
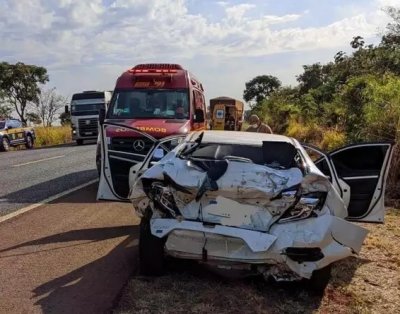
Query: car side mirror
[66, 109]
[198, 116]
[102, 115]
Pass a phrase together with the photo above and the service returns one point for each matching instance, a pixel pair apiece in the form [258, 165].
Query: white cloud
[65, 33]
[74, 31]
[237, 12]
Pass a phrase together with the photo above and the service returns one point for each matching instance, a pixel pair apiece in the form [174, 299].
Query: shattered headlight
[306, 207]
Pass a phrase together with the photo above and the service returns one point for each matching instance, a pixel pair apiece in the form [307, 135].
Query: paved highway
[73, 255]
[30, 176]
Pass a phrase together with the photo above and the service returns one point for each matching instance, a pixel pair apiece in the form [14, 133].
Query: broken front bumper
[303, 246]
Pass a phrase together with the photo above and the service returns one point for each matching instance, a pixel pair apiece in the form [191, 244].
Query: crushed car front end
[277, 215]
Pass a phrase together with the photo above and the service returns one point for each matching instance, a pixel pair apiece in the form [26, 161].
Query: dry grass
[369, 283]
[46, 136]
[49, 136]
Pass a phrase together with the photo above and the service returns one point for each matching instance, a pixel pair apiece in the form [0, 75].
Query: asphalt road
[30, 176]
[73, 255]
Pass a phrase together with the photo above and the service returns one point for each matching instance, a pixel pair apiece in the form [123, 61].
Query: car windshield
[150, 104]
[2, 125]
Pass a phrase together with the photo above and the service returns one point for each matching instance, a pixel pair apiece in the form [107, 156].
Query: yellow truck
[226, 114]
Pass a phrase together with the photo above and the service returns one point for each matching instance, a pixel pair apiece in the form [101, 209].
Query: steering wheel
[237, 158]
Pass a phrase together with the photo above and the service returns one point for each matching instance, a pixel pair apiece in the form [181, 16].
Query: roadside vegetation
[369, 283]
[354, 98]
[48, 136]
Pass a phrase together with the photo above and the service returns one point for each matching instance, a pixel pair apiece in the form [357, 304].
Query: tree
[5, 110]
[65, 118]
[48, 104]
[392, 36]
[260, 87]
[312, 77]
[33, 117]
[20, 85]
[357, 42]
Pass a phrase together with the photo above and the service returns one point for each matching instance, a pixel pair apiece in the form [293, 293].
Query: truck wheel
[79, 142]
[151, 251]
[5, 144]
[29, 142]
[320, 279]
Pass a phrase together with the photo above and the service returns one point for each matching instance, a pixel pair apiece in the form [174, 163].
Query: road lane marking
[45, 201]
[39, 160]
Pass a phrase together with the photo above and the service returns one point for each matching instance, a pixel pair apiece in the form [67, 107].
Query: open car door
[359, 173]
[123, 150]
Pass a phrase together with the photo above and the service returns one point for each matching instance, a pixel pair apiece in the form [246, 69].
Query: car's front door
[123, 150]
[359, 174]
[363, 168]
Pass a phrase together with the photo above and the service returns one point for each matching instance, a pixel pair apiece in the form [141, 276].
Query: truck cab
[84, 109]
[154, 101]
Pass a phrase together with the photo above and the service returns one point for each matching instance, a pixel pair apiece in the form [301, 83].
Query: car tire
[29, 142]
[5, 144]
[320, 279]
[151, 251]
[79, 142]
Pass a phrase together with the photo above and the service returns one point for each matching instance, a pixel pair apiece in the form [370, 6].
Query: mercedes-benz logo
[138, 145]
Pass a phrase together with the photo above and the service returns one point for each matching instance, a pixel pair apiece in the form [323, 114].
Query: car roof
[239, 137]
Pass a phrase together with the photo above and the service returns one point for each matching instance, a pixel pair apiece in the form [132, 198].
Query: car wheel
[151, 251]
[79, 142]
[320, 279]
[29, 142]
[5, 145]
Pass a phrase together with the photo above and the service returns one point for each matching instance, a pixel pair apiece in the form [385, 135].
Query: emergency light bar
[160, 68]
[158, 71]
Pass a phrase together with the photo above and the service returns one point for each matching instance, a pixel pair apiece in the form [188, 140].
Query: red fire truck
[149, 102]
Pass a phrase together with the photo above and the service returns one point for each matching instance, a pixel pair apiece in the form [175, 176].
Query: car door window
[359, 161]
[16, 124]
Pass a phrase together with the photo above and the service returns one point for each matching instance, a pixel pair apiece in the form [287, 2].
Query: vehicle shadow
[43, 190]
[91, 288]
[90, 235]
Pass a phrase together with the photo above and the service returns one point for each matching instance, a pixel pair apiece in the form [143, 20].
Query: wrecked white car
[237, 200]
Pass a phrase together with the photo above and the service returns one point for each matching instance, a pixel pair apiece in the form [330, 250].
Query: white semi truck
[84, 109]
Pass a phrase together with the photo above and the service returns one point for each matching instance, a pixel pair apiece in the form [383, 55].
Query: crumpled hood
[243, 194]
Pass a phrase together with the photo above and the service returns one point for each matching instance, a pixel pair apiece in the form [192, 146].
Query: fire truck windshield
[150, 104]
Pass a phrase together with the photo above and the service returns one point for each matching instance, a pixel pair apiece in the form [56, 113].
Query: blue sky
[87, 44]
